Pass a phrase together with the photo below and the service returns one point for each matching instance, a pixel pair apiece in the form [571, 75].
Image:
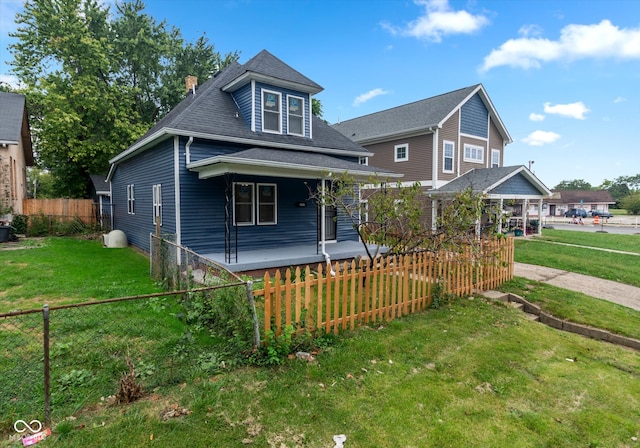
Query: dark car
[601, 214]
[575, 213]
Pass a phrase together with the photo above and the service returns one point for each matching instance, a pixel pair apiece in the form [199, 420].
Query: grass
[470, 373]
[608, 265]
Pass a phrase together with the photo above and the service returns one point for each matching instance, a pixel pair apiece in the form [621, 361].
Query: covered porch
[294, 255]
[511, 188]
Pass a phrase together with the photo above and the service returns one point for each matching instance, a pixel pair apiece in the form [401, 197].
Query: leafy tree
[40, 183]
[632, 204]
[95, 84]
[576, 184]
[316, 107]
[394, 216]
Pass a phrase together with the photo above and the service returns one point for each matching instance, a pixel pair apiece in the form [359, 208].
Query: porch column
[525, 215]
[539, 232]
[434, 213]
[500, 217]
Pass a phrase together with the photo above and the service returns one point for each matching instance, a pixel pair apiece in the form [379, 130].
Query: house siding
[242, 97]
[449, 132]
[495, 142]
[517, 185]
[419, 165]
[154, 166]
[475, 117]
[468, 166]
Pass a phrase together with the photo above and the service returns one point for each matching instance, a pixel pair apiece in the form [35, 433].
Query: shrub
[20, 224]
[632, 204]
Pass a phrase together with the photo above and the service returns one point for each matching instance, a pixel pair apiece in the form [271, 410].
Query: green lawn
[470, 373]
[608, 265]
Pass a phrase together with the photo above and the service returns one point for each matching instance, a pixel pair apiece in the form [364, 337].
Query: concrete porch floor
[286, 256]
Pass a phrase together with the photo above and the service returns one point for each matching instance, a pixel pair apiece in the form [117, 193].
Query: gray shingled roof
[418, 115]
[13, 119]
[588, 196]
[211, 113]
[484, 180]
[99, 183]
[11, 114]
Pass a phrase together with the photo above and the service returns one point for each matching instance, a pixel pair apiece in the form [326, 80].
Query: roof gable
[14, 123]
[420, 116]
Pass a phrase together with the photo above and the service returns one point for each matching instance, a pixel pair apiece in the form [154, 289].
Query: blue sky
[563, 75]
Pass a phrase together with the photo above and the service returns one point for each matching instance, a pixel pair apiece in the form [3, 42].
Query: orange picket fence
[356, 293]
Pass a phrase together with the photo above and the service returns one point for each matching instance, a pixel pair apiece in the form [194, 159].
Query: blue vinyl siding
[283, 107]
[243, 99]
[474, 117]
[518, 185]
[154, 166]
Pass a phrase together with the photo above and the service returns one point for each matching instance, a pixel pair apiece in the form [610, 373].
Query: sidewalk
[615, 292]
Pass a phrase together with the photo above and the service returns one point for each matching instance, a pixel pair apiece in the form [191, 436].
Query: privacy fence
[354, 293]
[61, 209]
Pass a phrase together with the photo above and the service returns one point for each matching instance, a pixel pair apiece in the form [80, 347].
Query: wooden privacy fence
[359, 292]
[61, 209]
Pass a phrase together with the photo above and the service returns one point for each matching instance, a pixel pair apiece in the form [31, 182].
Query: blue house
[228, 172]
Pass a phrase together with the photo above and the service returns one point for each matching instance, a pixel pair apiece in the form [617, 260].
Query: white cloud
[369, 95]
[619, 100]
[539, 138]
[603, 40]
[11, 80]
[439, 20]
[530, 30]
[573, 110]
[536, 117]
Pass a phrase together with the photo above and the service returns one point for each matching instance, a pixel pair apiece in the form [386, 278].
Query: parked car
[575, 213]
[601, 214]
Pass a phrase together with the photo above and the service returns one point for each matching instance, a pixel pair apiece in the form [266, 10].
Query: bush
[20, 224]
[632, 204]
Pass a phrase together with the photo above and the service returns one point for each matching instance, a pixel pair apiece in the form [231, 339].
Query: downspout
[187, 150]
[327, 258]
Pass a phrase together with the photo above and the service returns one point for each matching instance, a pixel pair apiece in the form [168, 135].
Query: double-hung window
[401, 153]
[243, 204]
[267, 204]
[131, 200]
[251, 199]
[447, 157]
[295, 115]
[271, 116]
[473, 153]
[495, 158]
[157, 203]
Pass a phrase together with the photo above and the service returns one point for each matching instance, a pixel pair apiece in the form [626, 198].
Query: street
[624, 224]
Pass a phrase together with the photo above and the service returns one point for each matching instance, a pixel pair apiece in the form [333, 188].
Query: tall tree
[95, 84]
[576, 184]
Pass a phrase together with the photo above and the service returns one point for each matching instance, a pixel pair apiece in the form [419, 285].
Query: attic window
[295, 110]
[271, 112]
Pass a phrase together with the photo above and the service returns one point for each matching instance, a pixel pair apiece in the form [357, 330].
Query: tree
[393, 216]
[94, 84]
[632, 204]
[576, 184]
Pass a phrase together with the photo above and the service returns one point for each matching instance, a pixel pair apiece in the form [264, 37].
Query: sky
[564, 75]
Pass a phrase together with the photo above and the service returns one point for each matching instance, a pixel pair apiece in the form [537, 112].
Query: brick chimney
[191, 83]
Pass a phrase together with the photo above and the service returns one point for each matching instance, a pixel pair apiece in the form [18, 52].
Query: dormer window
[295, 115]
[271, 120]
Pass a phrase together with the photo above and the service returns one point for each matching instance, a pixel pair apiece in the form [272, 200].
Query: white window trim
[275, 204]
[157, 202]
[479, 150]
[493, 152]
[395, 153]
[279, 95]
[302, 116]
[131, 200]
[253, 204]
[453, 156]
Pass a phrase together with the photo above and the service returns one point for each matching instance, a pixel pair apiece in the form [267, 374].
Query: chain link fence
[56, 361]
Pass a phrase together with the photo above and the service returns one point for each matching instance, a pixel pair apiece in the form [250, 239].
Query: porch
[286, 256]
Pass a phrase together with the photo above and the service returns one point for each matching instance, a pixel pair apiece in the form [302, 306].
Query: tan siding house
[16, 153]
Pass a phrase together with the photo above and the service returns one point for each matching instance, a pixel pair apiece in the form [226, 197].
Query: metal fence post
[256, 327]
[47, 379]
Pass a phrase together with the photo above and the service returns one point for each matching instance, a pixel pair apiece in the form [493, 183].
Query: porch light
[301, 204]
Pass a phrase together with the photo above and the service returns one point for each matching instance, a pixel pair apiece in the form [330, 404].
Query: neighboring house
[16, 153]
[101, 195]
[563, 200]
[229, 171]
[440, 139]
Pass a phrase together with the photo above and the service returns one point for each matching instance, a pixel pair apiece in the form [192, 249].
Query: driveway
[615, 292]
